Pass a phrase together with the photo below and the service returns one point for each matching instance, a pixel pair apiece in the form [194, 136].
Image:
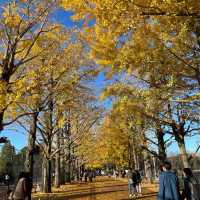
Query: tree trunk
[147, 159]
[68, 151]
[161, 145]
[135, 159]
[62, 171]
[184, 155]
[1, 120]
[78, 169]
[68, 168]
[29, 163]
[138, 162]
[131, 153]
[49, 143]
[46, 175]
[148, 167]
[154, 167]
[62, 162]
[4, 78]
[179, 133]
[49, 175]
[57, 162]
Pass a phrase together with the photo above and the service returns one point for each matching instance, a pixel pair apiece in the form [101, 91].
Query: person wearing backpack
[191, 189]
[132, 181]
[138, 185]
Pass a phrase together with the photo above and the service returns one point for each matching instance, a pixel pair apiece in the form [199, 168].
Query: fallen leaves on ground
[102, 188]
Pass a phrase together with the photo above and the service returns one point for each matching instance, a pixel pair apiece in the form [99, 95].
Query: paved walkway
[102, 189]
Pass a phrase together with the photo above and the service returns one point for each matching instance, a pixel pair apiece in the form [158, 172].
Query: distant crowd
[88, 175]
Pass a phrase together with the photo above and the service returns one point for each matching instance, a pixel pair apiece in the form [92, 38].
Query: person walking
[86, 176]
[132, 182]
[23, 187]
[94, 174]
[191, 189]
[90, 175]
[81, 176]
[115, 174]
[168, 184]
[138, 185]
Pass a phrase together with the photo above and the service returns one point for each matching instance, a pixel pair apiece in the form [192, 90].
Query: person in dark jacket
[86, 176]
[90, 175]
[168, 184]
[138, 185]
[191, 186]
[132, 183]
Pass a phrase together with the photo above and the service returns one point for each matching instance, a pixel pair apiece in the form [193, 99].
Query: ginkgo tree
[117, 139]
[163, 115]
[52, 86]
[23, 24]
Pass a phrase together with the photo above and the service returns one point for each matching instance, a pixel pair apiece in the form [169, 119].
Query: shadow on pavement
[87, 188]
[64, 196]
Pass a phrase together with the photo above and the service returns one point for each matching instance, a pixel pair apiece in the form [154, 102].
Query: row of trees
[45, 87]
[150, 51]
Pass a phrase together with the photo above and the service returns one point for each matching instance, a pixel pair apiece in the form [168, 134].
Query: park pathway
[102, 189]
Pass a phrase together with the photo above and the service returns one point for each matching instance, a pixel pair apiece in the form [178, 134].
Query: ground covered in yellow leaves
[102, 189]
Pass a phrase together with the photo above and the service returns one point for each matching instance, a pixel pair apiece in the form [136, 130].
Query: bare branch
[18, 117]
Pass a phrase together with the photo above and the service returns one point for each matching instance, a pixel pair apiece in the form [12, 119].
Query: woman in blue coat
[168, 184]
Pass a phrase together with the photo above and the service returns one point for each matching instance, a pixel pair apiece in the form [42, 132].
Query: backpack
[139, 179]
[134, 178]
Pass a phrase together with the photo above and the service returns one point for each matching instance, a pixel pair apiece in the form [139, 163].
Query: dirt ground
[103, 188]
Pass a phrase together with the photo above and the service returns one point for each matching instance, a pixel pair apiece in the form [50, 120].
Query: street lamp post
[7, 178]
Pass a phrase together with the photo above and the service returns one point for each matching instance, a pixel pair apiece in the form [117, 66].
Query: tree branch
[18, 117]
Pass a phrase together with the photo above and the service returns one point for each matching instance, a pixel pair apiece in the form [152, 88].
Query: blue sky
[63, 17]
[191, 145]
[19, 138]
